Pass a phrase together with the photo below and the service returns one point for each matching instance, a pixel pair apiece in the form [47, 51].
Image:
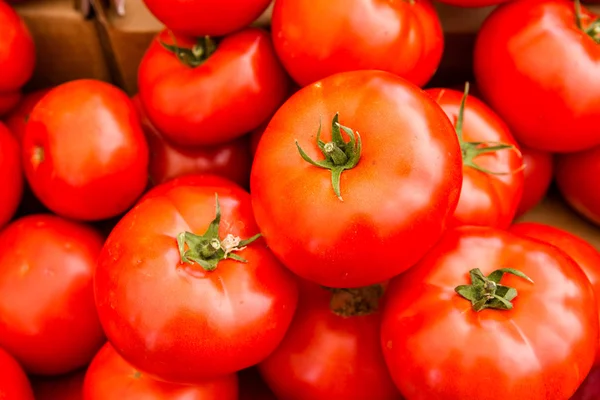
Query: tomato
[203, 315]
[17, 119]
[11, 175]
[492, 164]
[17, 51]
[227, 91]
[590, 389]
[318, 39]
[84, 151]
[8, 101]
[396, 192]
[541, 73]
[538, 173]
[109, 377]
[576, 177]
[447, 336]
[332, 349]
[13, 381]
[48, 320]
[66, 387]
[207, 17]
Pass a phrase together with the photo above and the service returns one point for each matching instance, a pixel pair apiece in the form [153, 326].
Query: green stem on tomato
[593, 29]
[194, 56]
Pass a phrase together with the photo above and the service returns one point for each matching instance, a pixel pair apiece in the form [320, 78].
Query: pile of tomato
[295, 214]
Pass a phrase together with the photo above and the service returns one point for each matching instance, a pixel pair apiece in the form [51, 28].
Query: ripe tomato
[228, 90]
[550, 105]
[538, 173]
[110, 377]
[397, 192]
[576, 177]
[539, 347]
[590, 388]
[231, 160]
[84, 151]
[67, 387]
[48, 320]
[17, 51]
[315, 39]
[11, 175]
[492, 164]
[332, 349]
[14, 384]
[203, 315]
[17, 119]
[8, 101]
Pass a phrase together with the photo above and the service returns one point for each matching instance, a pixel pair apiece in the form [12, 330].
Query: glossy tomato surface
[541, 73]
[48, 319]
[486, 199]
[11, 175]
[538, 174]
[398, 196]
[193, 324]
[17, 119]
[233, 91]
[64, 387]
[110, 377]
[438, 347]
[14, 384]
[318, 39]
[84, 151]
[17, 51]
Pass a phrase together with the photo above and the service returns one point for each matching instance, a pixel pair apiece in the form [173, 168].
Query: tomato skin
[231, 93]
[11, 175]
[407, 142]
[8, 101]
[17, 51]
[48, 319]
[95, 157]
[67, 387]
[109, 377]
[437, 347]
[193, 324]
[317, 39]
[207, 17]
[538, 174]
[513, 73]
[14, 384]
[307, 364]
[485, 199]
[16, 120]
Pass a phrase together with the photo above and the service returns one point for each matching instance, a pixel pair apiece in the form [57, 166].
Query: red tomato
[332, 349]
[11, 175]
[396, 192]
[110, 377]
[16, 120]
[540, 346]
[84, 151]
[14, 384]
[492, 180]
[207, 17]
[228, 91]
[17, 51]
[315, 39]
[576, 176]
[590, 389]
[231, 160]
[538, 173]
[48, 320]
[8, 101]
[541, 73]
[203, 315]
[67, 387]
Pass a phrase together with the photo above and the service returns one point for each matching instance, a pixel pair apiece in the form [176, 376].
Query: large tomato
[460, 325]
[64, 387]
[14, 384]
[17, 51]
[540, 72]
[206, 93]
[205, 312]
[11, 175]
[315, 39]
[84, 151]
[492, 165]
[538, 174]
[48, 319]
[17, 119]
[401, 172]
[110, 377]
[332, 349]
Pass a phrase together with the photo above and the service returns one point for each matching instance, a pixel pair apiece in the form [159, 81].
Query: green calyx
[487, 292]
[339, 154]
[195, 56]
[593, 29]
[208, 249]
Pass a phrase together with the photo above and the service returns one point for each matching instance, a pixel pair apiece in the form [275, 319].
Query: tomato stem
[208, 249]
[355, 302]
[593, 29]
[195, 56]
[339, 154]
[487, 292]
